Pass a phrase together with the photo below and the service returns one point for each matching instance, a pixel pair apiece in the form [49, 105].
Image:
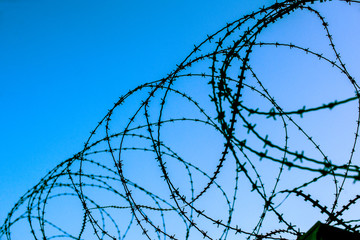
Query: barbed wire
[169, 161]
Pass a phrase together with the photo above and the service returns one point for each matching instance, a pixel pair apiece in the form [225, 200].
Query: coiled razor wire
[207, 152]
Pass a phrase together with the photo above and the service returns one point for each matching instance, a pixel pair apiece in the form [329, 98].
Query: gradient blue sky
[64, 63]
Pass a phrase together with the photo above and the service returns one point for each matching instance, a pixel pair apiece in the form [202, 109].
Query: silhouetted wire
[112, 204]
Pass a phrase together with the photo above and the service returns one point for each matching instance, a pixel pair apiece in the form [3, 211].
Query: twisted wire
[138, 177]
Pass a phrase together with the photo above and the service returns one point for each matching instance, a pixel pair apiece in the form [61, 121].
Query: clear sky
[64, 63]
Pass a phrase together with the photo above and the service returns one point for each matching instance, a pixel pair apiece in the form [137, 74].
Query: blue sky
[64, 63]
